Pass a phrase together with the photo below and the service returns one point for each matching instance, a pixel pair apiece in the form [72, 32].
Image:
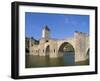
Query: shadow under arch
[88, 53]
[47, 51]
[66, 50]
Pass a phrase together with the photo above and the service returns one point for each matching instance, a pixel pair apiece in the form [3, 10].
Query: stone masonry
[54, 47]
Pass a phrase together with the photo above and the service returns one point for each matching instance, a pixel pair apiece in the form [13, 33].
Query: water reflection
[45, 61]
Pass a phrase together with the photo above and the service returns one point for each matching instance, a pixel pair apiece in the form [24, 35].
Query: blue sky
[61, 25]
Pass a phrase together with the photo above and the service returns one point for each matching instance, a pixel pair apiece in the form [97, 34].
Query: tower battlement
[46, 32]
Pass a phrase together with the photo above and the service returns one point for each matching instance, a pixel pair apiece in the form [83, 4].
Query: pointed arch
[66, 50]
[66, 47]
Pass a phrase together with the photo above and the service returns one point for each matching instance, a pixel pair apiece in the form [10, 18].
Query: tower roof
[46, 27]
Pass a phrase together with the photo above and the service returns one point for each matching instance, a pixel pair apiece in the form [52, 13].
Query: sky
[61, 26]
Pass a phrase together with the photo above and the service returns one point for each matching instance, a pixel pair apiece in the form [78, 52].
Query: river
[32, 61]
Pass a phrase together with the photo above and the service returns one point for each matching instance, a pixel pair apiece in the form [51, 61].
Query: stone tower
[81, 45]
[46, 33]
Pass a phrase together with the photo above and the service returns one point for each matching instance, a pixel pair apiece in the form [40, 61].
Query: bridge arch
[67, 51]
[47, 50]
[65, 47]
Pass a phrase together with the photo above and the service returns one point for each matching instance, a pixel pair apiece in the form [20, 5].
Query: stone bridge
[53, 48]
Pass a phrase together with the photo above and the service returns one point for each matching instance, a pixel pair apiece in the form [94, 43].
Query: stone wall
[80, 46]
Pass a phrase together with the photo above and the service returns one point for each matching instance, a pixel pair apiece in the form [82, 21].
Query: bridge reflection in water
[44, 61]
